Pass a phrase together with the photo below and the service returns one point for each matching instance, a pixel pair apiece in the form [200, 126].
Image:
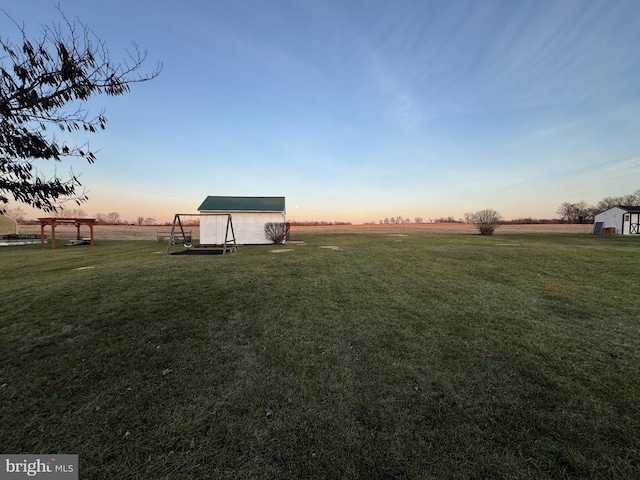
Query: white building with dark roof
[248, 217]
[626, 220]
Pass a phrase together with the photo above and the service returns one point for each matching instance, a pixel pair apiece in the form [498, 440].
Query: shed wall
[248, 227]
[631, 223]
[611, 218]
[8, 226]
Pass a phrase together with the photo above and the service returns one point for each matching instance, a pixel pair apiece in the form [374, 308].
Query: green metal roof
[243, 204]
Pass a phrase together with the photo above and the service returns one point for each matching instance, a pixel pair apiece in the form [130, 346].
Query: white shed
[626, 220]
[249, 216]
[8, 226]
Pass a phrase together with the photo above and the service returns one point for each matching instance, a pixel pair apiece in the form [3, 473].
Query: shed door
[597, 228]
[634, 227]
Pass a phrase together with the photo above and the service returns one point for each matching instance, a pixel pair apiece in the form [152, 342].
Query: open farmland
[135, 232]
[394, 354]
[448, 228]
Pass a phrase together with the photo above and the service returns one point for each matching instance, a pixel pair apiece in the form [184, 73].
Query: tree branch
[67, 65]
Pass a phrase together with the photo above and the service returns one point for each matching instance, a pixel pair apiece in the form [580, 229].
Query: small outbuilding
[625, 220]
[8, 226]
[249, 216]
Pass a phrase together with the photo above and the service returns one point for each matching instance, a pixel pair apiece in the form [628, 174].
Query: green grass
[425, 356]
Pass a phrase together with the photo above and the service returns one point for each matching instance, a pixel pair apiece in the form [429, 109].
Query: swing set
[216, 225]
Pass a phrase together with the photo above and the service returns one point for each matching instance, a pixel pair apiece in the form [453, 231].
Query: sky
[360, 110]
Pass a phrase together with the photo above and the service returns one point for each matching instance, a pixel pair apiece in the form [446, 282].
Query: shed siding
[8, 226]
[612, 218]
[247, 226]
[631, 223]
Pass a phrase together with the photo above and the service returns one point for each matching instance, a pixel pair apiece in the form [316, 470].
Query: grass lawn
[420, 356]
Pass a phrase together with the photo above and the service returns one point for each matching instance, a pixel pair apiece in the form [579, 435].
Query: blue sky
[360, 110]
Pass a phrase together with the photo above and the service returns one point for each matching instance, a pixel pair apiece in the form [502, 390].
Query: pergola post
[53, 234]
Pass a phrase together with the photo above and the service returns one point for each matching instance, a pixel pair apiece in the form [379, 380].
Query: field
[134, 232]
[377, 354]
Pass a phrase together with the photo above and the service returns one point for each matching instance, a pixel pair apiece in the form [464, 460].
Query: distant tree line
[448, 219]
[395, 220]
[315, 223]
[466, 219]
[114, 218]
[531, 221]
[111, 218]
[582, 212]
[578, 212]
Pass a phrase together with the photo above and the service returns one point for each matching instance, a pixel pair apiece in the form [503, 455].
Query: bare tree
[70, 213]
[113, 218]
[277, 232]
[565, 211]
[486, 221]
[468, 217]
[631, 199]
[580, 212]
[605, 204]
[16, 213]
[100, 218]
[44, 84]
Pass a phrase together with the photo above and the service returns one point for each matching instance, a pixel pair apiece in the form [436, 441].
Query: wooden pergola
[54, 222]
